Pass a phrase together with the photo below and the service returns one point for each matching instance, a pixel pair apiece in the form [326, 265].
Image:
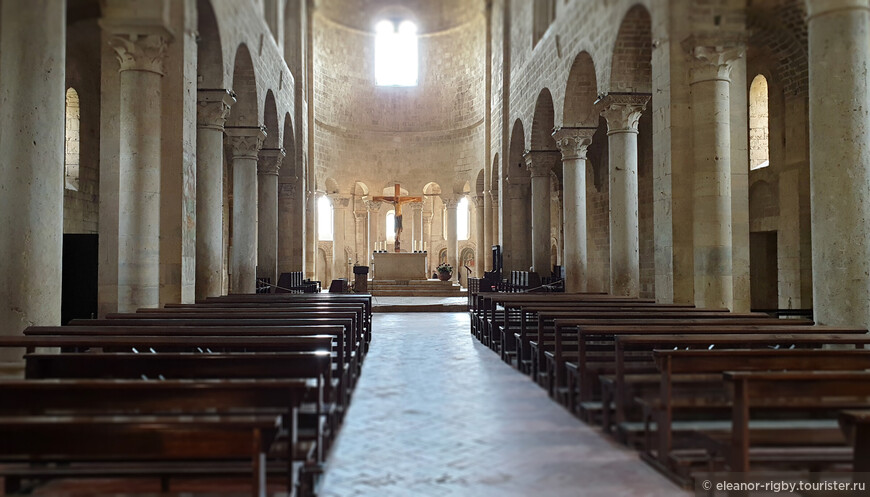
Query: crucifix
[397, 200]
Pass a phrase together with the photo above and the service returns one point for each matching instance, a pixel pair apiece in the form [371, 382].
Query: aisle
[436, 414]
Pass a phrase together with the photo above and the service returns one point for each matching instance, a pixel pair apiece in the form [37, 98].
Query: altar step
[415, 288]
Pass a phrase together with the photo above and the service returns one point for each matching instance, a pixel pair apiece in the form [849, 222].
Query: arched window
[396, 53]
[462, 219]
[324, 219]
[759, 128]
[391, 225]
[71, 141]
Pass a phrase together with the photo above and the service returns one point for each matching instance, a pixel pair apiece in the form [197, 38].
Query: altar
[399, 266]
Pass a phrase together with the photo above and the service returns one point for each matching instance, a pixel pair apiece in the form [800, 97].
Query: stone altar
[401, 266]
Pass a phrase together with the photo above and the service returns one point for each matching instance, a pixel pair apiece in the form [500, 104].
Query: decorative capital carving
[361, 215]
[339, 201]
[138, 52]
[451, 201]
[573, 142]
[478, 200]
[246, 141]
[622, 111]
[270, 161]
[416, 206]
[373, 206]
[541, 162]
[713, 55]
[213, 108]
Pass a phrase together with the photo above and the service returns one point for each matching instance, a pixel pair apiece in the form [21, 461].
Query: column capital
[573, 142]
[213, 108]
[622, 111]
[360, 215]
[817, 8]
[713, 54]
[540, 162]
[246, 140]
[373, 206]
[416, 206]
[478, 200]
[270, 161]
[140, 52]
[339, 201]
[451, 201]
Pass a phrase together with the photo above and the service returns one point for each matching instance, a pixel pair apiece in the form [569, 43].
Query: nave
[438, 414]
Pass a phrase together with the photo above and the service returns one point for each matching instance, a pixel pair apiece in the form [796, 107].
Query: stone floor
[437, 414]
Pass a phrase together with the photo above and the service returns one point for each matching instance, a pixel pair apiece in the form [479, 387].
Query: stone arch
[270, 121]
[479, 183]
[516, 166]
[581, 91]
[542, 122]
[631, 66]
[209, 53]
[330, 185]
[246, 110]
[288, 166]
[360, 189]
[432, 188]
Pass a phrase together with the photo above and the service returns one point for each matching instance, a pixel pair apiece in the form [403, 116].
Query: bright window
[324, 219]
[391, 226]
[462, 219]
[759, 127]
[71, 141]
[396, 53]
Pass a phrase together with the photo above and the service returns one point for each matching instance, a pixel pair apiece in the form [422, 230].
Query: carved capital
[270, 161]
[339, 201]
[451, 201]
[573, 142]
[360, 216]
[478, 200]
[622, 111]
[540, 162]
[373, 206]
[417, 207]
[713, 54]
[246, 141]
[138, 52]
[213, 108]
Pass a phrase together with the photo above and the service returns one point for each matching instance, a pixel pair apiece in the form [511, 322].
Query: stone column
[539, 164]
[360, 218]
[480, 234]
[340, 204]
[213, 107]
[622, 113]
[267, 212]
[417, 215]
[32, 88]
[374, 209]
[141, 51]
[573, 143]
[451, 202]
[246, 142]
[494, 240]
[518, 247]
[711, 226]
[487, 241]
[839, 86]
[427, 240]
[310, 234]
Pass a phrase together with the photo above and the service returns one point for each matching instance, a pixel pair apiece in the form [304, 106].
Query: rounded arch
[542, 122]
[330, 185]
[209, 52]
[631, 66]
[360, 189]
[270, 121]
[461, 187]
[516, 167]
[581, 91]
[432, 188]
[246, 110]
[759, 123]
[479, 185]
[288, 166]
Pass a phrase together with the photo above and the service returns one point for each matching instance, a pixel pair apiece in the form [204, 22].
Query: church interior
[434, 247]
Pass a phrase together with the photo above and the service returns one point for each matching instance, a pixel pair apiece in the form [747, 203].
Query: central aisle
[435, 413]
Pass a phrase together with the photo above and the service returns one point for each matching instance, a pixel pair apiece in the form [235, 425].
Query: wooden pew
[68, 439]
[690, 383]
[136, 397]
[855, 424]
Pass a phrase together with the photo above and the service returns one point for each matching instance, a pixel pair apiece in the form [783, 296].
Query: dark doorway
[763, 273]
[79, 286]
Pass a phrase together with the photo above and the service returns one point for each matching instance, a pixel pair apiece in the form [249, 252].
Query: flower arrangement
[444, 268]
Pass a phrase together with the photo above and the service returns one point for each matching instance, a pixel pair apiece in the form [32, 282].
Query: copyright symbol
[706, 484]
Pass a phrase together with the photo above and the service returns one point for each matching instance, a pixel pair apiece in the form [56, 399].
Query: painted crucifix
[397, 200]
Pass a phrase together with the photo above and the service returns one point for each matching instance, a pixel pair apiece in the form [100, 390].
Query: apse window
[391, 226]
[759, 123]
[396, 53]
[462, 219]
[324, 219]
[71, 141]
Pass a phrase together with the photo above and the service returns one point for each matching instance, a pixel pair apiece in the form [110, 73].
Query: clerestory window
[396, 53]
